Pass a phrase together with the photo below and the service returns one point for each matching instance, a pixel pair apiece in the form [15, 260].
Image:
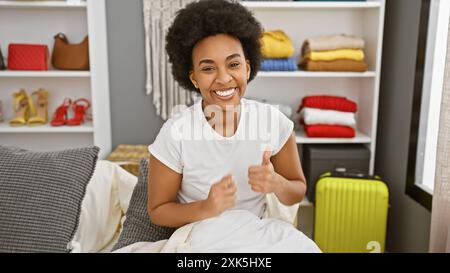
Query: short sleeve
[281, 131]
[167, 147]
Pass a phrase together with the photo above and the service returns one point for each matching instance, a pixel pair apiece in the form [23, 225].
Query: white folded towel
[313, 116]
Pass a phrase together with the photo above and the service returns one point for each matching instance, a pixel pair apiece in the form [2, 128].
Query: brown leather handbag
[68, 56]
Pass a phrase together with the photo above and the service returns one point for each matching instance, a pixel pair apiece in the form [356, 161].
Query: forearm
[175, 215]
[290, 192]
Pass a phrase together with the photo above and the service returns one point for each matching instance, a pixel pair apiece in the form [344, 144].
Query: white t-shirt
[189, 145]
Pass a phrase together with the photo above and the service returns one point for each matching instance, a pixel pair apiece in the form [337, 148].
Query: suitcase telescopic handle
[353, 173]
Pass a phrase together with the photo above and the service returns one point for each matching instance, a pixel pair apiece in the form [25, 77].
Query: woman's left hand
[263, 178]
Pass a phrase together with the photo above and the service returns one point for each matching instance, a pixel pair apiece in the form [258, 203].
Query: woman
[214, 162]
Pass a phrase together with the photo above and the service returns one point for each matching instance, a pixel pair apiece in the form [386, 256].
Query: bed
[104, 211]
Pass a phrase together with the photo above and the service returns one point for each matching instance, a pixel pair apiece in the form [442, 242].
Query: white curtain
[158, 16]
[440, 217]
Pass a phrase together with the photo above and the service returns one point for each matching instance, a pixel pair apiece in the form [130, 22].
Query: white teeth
[225, 93]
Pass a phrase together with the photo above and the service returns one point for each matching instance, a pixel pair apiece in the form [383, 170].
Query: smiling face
[220, 70]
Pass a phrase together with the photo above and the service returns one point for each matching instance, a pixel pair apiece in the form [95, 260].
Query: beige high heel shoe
[23, 108]
[40, 116]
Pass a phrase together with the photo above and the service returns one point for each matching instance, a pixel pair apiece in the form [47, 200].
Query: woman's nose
[223, 77]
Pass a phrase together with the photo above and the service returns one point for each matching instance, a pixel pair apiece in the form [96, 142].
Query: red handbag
[27, 57]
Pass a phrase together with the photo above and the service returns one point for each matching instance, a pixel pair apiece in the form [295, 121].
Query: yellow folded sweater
[332, 55]
[276, 44]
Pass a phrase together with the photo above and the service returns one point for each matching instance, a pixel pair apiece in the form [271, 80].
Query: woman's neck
[224, 121]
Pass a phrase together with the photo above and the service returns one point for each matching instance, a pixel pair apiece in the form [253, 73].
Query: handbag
[2, 61]
[27, 57]
[68, 56]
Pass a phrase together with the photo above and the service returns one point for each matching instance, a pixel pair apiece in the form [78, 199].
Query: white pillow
[105, 203]
[276, 209]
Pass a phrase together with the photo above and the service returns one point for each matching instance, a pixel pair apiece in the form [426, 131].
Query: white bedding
[103, 208]
[107, 199]
[232, 231]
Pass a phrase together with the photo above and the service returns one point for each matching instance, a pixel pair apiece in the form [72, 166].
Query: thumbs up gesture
[263, 178]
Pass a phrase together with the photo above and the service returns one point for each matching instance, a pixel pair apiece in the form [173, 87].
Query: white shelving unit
[303, 139]
[43, 4]
[301, 20]
[85, 128]
[37, 22]
[45, 74]
[311, 5]
[305, 74]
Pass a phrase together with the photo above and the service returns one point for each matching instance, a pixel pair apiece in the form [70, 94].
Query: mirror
[428, 85]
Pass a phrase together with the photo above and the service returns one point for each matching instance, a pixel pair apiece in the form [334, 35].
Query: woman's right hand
[221, 196]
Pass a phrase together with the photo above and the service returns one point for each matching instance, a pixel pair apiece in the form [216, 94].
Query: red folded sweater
[329, 131]
[329, 103]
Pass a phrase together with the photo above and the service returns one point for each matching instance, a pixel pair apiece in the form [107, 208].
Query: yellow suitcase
[350, 213]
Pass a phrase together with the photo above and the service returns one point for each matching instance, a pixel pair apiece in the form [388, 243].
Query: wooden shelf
[42, 4]
[86, 128]
[311, 5]
[306, 74]
[45, 74]
[301, 138]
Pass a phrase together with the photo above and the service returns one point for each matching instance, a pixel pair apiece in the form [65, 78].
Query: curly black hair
[205, 18]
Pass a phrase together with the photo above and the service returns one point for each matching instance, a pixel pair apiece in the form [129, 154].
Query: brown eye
[207, 69]
[235, 65]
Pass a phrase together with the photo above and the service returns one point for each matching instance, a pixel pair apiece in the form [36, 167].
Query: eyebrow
[209, 61]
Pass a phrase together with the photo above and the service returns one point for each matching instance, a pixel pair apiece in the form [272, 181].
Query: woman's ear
[248, 69]
[191, 77]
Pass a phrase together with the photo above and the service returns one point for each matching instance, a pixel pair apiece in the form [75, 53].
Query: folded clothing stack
[333, 53]
[277, 51]
[287, 64]
[328, 116]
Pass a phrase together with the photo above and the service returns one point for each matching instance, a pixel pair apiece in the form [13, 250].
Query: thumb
[266, 157]
[227, 180]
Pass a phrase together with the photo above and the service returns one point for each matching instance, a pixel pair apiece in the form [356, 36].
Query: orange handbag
[68, 56]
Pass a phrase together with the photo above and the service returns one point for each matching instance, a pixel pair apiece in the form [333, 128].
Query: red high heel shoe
[60, 115]
[79, 108]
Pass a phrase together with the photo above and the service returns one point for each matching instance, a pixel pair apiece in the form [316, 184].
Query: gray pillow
[138, 226]
[40, 197]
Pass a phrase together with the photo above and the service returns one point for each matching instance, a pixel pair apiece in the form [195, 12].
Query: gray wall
[134, 120]
[409, 222]
[132, 112]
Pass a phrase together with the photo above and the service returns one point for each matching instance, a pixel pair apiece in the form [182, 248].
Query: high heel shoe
[41, 115]
[60, 115]
[23, 108]
[79, 108]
